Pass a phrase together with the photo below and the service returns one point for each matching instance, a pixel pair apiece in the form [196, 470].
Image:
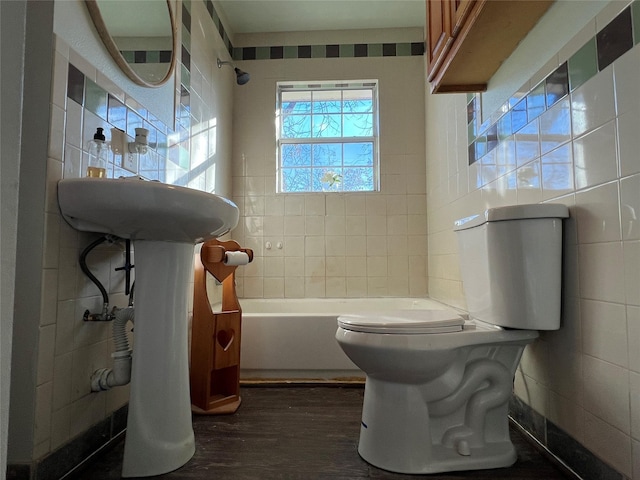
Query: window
[327, 137]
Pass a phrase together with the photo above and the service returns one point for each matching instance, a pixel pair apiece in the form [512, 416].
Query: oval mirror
[140, 36]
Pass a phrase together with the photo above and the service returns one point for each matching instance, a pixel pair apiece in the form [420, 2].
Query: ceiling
[262, 16]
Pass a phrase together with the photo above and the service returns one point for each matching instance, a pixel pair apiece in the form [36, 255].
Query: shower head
[242, 77]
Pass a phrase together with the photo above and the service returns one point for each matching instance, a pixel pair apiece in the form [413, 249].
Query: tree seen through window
[327, 138]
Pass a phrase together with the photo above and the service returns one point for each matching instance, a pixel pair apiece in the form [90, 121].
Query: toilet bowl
[438, 383]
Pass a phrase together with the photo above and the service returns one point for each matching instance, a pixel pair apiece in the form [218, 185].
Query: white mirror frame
[107, 39]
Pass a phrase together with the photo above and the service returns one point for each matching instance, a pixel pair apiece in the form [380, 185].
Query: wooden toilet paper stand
[215, 336]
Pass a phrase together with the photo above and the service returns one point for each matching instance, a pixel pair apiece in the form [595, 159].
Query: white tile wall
[631, 254]
[606, 392]
[593, 103]
[335, 245]
[594, 155]
[601, 267]
[636, 458]
[630, 207]
[566, 415]
[633, 329]
[608, 443]
[628, 141]
[598, 214]
[43, 414]
[604, 331]
[634, 396]
[584, 377]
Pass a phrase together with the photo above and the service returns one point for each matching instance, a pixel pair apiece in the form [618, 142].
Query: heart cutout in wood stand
[225, 338]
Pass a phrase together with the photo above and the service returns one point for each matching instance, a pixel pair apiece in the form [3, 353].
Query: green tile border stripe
[146, 56]
[345, 50]
[185, 56]
[583, 64]
[217, 23]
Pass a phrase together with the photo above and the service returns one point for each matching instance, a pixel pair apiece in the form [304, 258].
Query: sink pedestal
[159, 431]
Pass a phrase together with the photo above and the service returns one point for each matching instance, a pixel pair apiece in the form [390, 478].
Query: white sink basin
[164, 222]
[142, 210]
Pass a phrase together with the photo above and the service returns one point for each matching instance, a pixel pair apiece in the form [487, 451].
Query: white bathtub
[294, 339]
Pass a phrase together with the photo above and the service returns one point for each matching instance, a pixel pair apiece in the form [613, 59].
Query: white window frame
[319, 86]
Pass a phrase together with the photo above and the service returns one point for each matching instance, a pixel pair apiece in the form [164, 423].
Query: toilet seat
[403, 322]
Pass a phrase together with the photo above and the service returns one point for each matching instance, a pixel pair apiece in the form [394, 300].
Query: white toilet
[438, 384]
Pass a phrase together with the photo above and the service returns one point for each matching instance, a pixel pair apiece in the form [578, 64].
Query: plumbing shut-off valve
[103, 316]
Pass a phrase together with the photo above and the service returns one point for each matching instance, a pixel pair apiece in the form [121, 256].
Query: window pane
[296, 107]
[327, 101]
[296, 179]
[327, 138]
[316, 182]
[296, 102]
[326, 126]
[358, 101]
[358, 94]
[296, 126]
[296, 155]
[326, 107]
[358, 154]
[358, 106]
[358, 179]
[358, 125]
[327, 154]
[327, 180]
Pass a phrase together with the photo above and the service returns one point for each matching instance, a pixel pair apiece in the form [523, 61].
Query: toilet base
[497, 455]
[397, 434]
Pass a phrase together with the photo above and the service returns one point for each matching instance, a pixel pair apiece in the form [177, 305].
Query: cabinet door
[459, 11]
[438, 33]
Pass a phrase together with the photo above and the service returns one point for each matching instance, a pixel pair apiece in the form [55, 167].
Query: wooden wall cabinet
[467, 40]
[439, 35]
[459, 10]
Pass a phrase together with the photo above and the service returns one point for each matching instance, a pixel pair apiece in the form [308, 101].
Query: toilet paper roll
[236, 258]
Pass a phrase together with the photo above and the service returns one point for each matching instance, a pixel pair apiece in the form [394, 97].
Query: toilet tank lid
[513, 212]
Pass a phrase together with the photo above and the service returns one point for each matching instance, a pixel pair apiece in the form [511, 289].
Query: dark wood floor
[299, 433]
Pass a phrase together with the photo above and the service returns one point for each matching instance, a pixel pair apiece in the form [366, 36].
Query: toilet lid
[403, 321]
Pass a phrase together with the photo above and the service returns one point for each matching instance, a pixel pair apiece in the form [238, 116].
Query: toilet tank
[511, 265]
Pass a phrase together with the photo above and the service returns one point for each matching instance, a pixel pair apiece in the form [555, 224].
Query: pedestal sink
[164, 222]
